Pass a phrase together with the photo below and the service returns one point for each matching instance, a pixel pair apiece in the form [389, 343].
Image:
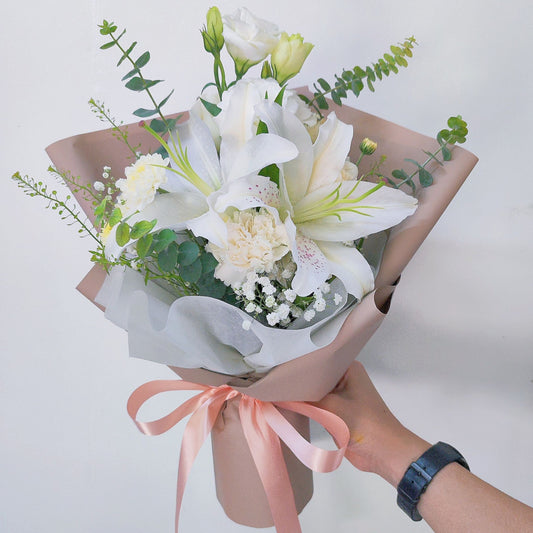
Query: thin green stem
[156, 106]
[116, 127]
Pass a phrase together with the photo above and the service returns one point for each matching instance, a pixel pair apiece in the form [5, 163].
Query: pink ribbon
[263, 426]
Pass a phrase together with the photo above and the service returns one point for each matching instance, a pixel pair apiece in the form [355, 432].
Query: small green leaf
[158, 125]
[279, 98]
[131, 73]
[336, 98]
[107, 45]
[188, 253]
[347, 75]
[168, 258]
[401, 61]
[446, 154]
[359, 72]
[389, 59]
[142, 228]
[261, 128]
[143, 59]
[400, 174]
[304, 98]
[116, 217]
[425, 177]
[321, 101]
[151, 83]
[210, 286]
[396, 51]
[126, 53]
[165, 100]
[135, 84]
[213, 109]
[191, 273]
[357, 86]
[324, 84]
[370, 85]
[123, 234]
[143, 245]
[370, 74]
[209, 262]
[143, 113]
[415, 163]
[272, 172]
[163, 239]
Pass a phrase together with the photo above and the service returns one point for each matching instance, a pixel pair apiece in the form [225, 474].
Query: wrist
[398, 452]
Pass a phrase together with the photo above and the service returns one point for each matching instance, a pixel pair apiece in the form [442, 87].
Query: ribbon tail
[266, 451]
[196, 431]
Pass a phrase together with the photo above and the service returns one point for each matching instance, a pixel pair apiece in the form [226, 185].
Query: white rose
[248, 39]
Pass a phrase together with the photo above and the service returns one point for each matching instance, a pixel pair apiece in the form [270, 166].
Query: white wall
[453, 359]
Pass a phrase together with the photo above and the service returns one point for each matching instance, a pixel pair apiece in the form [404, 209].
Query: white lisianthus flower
[143, 178]
[255, 241]
[248, 39]
[288, 56]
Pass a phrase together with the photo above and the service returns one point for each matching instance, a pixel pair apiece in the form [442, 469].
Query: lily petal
[349, 265]
[312, 266]
[199, 145]
[247, 192]
[297, 172]
[260, 151]
[330, 151]
[171, 210]
[210, 226]
[382, 209]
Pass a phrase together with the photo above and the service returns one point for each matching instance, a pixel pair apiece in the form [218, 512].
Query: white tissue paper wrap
[203, 332]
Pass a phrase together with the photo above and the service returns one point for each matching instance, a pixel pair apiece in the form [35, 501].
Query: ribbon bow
[263, 426]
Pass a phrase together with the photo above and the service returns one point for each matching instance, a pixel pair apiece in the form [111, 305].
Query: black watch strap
[420, 473]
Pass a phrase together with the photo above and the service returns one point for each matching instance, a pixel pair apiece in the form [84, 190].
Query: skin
[456, 501]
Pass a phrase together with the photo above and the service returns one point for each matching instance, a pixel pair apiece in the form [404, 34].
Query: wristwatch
[420, 474]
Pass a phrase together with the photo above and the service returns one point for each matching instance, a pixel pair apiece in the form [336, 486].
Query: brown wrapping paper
[312, 376]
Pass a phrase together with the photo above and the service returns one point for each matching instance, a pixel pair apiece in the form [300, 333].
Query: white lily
[321, 211]
[197, 171]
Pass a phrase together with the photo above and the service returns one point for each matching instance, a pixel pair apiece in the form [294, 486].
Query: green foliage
[353, 81]
[136, 80]
[446, 137]
[119, 131]
[66, 208]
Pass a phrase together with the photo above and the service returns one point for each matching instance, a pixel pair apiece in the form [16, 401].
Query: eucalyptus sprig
[354, 80]
[66, 208]
[119, 130]
[446, 138]
[136, 80]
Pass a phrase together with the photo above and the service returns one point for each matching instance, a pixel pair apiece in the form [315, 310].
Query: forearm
[456, 501]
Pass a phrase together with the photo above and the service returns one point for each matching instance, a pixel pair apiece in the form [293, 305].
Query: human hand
[379, 443]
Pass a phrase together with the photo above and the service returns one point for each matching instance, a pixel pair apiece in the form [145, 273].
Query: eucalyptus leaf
[188, 253]
[425, 177]
[191, 273]
[143, 113]
[213, 109]
[163, 239]
[143, 60]
[167, 259]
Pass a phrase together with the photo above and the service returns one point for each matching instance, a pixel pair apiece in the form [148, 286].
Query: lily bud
[288, 56]
[212, 32]
[367, 146]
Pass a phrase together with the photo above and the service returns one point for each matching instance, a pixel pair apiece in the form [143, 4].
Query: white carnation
[143, 178]
[255, 242]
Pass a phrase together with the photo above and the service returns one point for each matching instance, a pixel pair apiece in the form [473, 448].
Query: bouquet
[251, 242]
